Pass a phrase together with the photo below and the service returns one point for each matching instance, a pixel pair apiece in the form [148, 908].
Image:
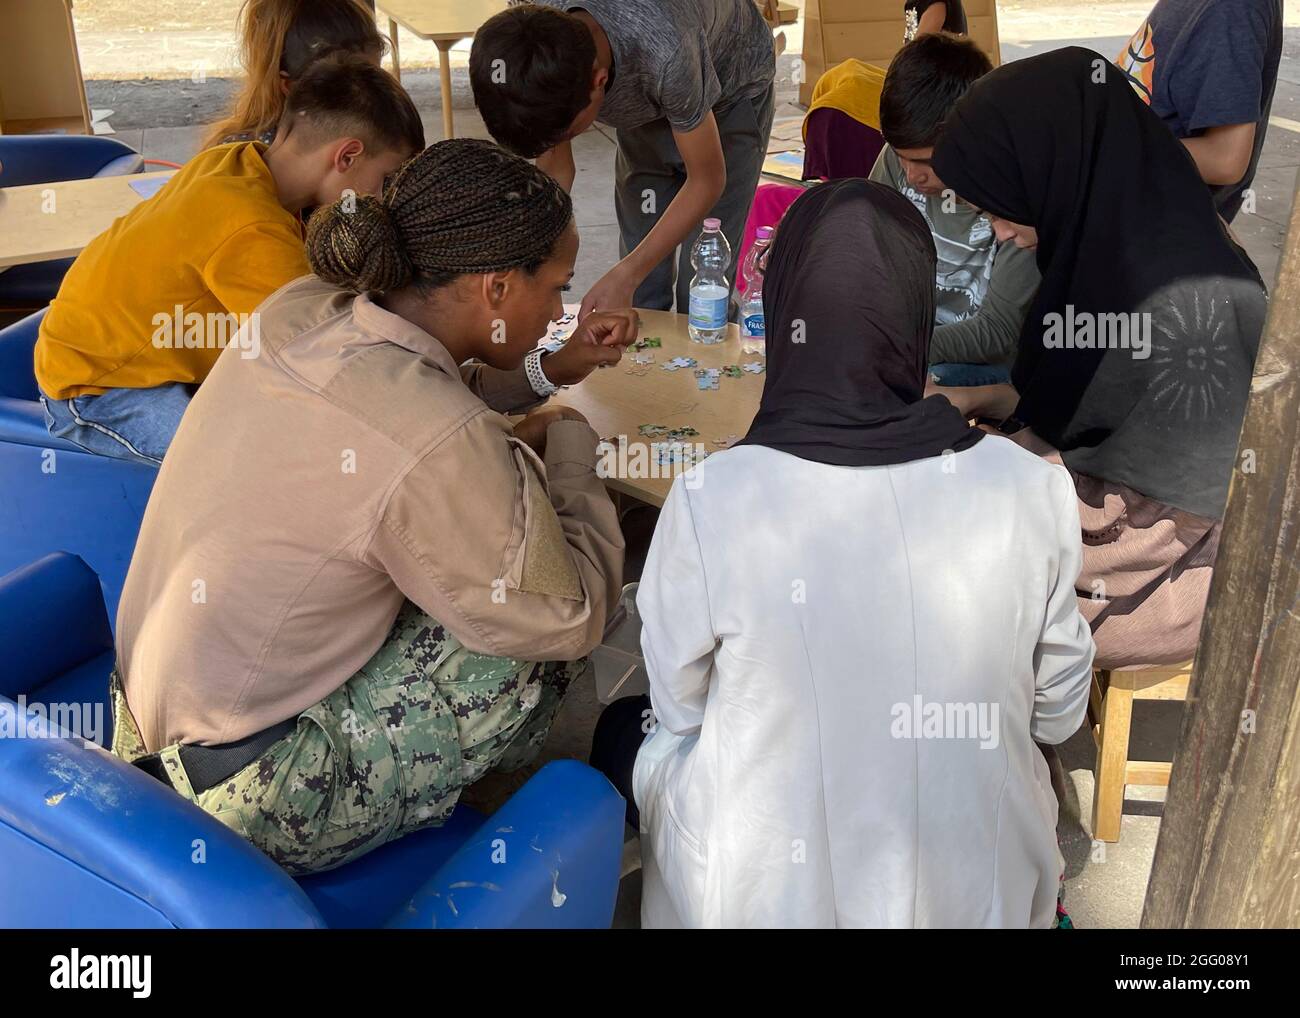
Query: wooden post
[1228, 854]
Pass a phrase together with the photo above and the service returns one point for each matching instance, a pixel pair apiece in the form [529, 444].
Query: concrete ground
[163, 68]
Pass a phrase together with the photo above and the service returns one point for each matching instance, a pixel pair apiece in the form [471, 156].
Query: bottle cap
[764, 233]
[713, 225]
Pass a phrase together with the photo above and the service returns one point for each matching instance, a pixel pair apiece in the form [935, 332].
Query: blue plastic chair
[53, 496]
[87, 840]
[43, 159]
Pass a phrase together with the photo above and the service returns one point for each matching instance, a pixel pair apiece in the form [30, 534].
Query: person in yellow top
[150, 304]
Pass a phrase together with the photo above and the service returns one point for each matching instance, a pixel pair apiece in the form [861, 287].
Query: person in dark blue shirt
[1208, 68]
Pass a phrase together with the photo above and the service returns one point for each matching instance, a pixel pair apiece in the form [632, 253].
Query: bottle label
[753, 324]
[708, 312]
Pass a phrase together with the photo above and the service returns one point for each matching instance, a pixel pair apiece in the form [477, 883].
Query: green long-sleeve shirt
[983, 289]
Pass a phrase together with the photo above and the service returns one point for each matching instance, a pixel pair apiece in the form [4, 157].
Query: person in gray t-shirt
[983, 285]
[687, 86]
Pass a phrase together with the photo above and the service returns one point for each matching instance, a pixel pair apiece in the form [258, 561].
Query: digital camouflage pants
[387, 753]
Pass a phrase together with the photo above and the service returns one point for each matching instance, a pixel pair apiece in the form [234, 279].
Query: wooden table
[617, 402]
[82, 210]
[445, 23]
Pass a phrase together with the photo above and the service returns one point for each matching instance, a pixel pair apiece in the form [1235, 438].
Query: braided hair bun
[460, 207]
[354, 245]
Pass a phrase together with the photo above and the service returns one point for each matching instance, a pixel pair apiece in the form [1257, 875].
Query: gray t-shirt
[678, 59]
[983, 289]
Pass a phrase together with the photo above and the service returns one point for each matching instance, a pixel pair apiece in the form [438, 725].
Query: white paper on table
[148, 188]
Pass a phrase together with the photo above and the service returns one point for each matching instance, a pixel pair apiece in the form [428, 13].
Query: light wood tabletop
[618, 402]
[40, 222]
[444, 23]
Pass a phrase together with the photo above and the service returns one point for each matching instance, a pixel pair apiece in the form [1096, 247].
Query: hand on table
[597, 342]
[532, 429]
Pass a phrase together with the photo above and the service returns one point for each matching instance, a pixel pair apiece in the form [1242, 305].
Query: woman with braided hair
[378, 589]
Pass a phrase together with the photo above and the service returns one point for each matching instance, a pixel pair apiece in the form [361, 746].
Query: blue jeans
[127, 424]
[969, 374]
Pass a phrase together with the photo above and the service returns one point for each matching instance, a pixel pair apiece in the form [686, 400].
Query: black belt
[208, 766]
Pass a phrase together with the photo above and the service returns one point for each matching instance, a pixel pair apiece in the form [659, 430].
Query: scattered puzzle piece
[707, 378]
[668, 453]
[663, 431]
[680, 362]
[559, 332]
[726, 443]
[647, 343]
[754, 367]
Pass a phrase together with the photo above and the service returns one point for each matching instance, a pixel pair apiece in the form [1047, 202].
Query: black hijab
[849, 301]
[1061, 142]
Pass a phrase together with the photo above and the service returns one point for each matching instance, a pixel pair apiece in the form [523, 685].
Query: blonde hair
[285, 37]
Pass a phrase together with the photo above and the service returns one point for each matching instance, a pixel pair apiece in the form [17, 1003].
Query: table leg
[392, 39]
[444, 77]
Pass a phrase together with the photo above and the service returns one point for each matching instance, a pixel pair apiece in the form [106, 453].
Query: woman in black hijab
[846, 365]
[1136, 358]
[862, 557]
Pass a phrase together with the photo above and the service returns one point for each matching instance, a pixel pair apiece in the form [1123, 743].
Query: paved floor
[1105, 884]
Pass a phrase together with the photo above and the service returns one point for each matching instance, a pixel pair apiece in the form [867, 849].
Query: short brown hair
[547, 56]
[924, 81]
[346, 95]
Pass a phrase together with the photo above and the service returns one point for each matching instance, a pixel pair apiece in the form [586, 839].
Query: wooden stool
[1110, 709]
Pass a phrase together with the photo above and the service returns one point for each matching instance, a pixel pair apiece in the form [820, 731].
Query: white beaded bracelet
[536, 376]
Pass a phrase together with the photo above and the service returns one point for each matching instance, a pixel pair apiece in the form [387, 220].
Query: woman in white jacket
[856, 624]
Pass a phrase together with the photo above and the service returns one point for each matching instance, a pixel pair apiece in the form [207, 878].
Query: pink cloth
[770, 203]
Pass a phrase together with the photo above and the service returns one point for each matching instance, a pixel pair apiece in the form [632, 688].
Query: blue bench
[53, 496]
[87, 840]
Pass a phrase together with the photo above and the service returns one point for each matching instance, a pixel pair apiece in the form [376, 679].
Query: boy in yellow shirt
[149, 305]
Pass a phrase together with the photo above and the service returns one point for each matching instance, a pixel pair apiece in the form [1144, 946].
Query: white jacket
[802, 625]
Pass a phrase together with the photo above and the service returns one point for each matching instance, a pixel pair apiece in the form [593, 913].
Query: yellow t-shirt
[147, 302]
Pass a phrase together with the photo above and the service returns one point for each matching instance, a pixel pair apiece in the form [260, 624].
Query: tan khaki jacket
[310, 489]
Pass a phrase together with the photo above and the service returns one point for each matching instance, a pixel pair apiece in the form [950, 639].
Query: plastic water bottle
[753, 329]
[710, 293]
